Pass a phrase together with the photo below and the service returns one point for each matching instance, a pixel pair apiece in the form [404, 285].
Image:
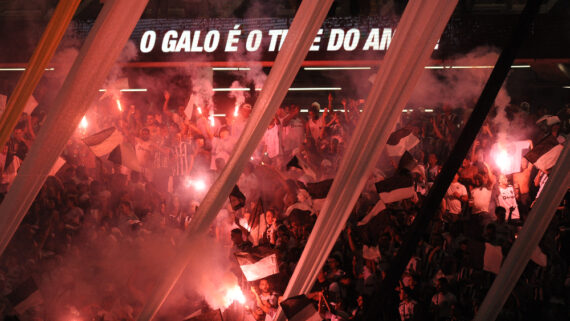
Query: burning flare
[236, 110]
[502, 160]
[234, 294]
[197, 184]
[119, 105]
[83, 124]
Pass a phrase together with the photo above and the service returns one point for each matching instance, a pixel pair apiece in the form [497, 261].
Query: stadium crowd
[169, 157]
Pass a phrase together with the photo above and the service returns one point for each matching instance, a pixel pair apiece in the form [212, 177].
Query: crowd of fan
[92, 198]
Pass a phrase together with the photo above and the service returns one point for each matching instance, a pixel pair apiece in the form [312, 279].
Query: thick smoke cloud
[458, 87]
[129, 53]
[202, 86]
[239, 95]
[112, 273]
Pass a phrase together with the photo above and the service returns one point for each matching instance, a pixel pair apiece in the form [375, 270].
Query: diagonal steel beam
[421, 25]
[105, 42]
[40, 58]
[304, 27]
[462, 146]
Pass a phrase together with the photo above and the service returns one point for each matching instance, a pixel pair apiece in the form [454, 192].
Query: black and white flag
[300, 308]
[255, 267]
[545, 154]
[396, 188]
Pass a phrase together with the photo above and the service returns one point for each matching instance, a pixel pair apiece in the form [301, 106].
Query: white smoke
[114, 273]
[202, 86]
[238, 95]
[459, 86]
[255, 73]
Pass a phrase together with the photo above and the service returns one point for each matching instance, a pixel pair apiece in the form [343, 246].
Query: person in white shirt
[480, 201]
[433, 168]
[145, 151]
[222, 147]
[271, 141]
[505, 197]
[455, 198]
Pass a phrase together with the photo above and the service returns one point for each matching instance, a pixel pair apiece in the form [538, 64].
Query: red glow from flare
[83, 124]
[234, 294]
[503, 160]
[197, 184]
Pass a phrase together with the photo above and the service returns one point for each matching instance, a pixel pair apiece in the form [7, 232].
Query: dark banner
[230, 39]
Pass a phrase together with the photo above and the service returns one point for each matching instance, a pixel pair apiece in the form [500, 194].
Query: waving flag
[545, 154]
[25, 296]
[300, 164]
[318, 190]
[255, 267]
[395, 188]
[300, 308]
[237, 199]
[401, 141]
[103, 142]
[124, 154]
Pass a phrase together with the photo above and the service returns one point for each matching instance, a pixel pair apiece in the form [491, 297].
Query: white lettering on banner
[253, 40]
[283, 38]
[169, 45]
[386, 38]
[378, 39]
[315, 46]
[351, 39]
[148, 40]
[231, 43]
[184, 41]
[212, 40]
[373, 40]
[274, 37]
[335, 39]
[195, 43]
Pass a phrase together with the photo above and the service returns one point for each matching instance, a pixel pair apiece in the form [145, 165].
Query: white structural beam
[307, 21]
[538, 220]
[105, 42]
[421, 25]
